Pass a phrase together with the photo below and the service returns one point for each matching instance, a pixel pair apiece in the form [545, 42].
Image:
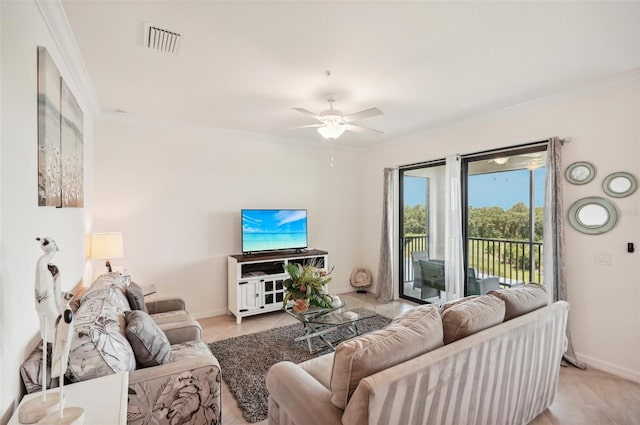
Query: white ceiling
[244, 65]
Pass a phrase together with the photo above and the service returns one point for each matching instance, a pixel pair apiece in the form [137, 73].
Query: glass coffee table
[320, 321]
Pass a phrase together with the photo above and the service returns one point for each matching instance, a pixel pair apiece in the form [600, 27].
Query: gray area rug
[246, 359]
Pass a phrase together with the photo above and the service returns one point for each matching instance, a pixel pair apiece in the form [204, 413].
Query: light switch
[603, 258]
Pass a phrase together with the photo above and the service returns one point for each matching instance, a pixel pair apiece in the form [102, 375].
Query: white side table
[103, 399]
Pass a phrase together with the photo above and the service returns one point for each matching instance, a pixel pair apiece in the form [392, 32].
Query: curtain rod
[505, 149]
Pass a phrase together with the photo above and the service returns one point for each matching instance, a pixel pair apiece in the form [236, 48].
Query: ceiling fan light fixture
[331, 130]
[334, 123]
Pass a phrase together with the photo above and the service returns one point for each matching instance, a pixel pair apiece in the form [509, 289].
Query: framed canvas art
[60, 139]
[72, 149]
[49, 160]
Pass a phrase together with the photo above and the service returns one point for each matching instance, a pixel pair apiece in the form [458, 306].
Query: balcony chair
[477, 286]
[432, 278]
[425, 291]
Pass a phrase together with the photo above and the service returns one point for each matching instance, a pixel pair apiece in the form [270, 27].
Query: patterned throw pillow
[150, 345]
[136, 297]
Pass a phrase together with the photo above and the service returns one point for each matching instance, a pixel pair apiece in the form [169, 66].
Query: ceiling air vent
[161, 39]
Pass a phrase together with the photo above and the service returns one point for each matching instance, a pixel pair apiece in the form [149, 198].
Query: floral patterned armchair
[184, 390]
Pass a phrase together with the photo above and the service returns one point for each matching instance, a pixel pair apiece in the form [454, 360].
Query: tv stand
[255, 280]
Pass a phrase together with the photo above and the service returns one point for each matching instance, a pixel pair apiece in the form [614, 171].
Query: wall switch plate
[604, 258]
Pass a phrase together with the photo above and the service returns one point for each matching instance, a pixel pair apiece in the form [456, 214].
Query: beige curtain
[385, 266]
[555, 273]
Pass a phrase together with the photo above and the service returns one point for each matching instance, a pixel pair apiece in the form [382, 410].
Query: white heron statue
[55, 328]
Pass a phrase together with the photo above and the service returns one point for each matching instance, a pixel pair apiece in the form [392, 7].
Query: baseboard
[611, 368]
[210, 313]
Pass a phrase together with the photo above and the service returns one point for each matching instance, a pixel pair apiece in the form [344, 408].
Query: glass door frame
[401, 237]
[485, 156]
[537, 146]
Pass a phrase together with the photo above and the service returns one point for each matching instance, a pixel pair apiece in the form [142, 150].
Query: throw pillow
[106, 281]
[471, 316]
[453, 303]
[150, 345]
[416, 333]
[136, 297]
[412, 314]
[522, 300]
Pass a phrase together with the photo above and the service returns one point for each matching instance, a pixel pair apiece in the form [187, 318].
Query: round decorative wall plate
[580, 172]
[593, 215]
[620, 184]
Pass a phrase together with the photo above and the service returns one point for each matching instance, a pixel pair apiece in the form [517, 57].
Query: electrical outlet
[603, 258]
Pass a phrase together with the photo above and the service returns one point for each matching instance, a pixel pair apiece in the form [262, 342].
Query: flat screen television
[271, 230]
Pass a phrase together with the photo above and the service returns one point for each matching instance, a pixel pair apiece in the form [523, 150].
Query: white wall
[604, 123]
[175, 191]
[21, 220]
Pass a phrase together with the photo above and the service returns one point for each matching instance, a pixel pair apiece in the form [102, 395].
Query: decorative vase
[301, 306]
[336, 302]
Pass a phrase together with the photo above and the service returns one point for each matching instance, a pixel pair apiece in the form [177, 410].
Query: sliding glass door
[422, 230]
[503, 219]
[502, 212]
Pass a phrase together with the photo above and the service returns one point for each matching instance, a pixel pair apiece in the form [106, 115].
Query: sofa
[491, 359]
[173, 376]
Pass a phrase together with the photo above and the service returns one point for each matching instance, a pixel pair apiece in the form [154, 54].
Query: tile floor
[590, 397]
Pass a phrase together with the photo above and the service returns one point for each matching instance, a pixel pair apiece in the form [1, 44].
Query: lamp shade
[105, 246]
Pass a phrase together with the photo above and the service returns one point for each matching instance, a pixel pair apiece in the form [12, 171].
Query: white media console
[255, 280]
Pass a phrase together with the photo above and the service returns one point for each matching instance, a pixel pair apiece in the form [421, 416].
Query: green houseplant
[306, 285]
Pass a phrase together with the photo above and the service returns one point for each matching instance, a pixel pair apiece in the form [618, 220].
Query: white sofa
[505, 374]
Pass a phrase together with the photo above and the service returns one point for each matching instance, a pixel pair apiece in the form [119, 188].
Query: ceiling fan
[534, 158]
[333, 123]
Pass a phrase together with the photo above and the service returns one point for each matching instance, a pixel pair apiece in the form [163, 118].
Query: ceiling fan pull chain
[332, 157]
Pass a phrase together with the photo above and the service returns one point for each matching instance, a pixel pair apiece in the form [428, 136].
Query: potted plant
[306, 285]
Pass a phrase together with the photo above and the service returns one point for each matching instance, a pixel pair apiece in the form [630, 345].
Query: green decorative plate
[593, 215]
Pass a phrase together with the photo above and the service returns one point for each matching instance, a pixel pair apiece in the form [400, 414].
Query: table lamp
[106, 246]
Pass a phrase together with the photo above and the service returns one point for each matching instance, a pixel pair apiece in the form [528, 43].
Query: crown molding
[56, 20]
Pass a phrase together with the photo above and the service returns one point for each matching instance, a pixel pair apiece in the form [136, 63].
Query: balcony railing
[508, 259]
[412, 244]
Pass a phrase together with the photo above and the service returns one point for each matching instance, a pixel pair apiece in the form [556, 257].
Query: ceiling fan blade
[309, 126]
[360, 129]
[306, 112]
[362, 114]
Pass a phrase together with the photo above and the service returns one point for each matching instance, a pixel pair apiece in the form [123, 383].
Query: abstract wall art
[60, 139]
